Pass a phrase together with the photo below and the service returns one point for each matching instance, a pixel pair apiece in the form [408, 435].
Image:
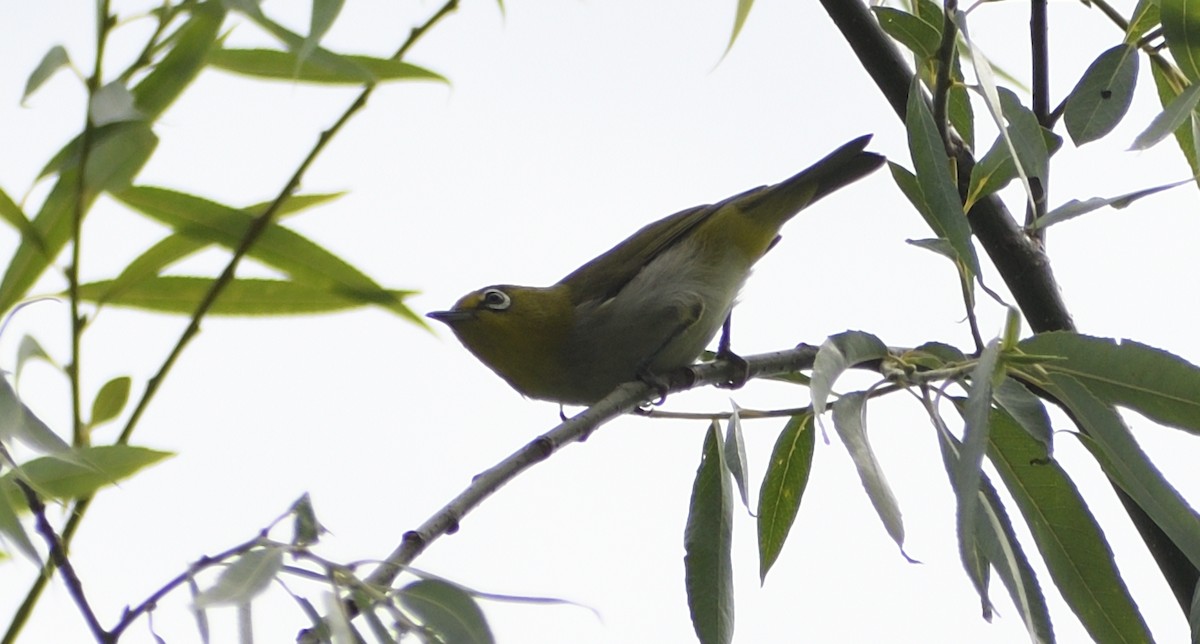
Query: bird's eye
[495, 299]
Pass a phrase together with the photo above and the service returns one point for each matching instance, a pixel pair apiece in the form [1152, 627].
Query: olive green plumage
[650, 304]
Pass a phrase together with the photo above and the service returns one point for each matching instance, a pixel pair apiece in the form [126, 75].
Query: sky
[566, 126]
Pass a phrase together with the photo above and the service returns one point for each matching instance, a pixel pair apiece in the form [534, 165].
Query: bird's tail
[839, 168]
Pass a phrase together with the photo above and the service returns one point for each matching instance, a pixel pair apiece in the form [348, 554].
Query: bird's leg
[740, 366]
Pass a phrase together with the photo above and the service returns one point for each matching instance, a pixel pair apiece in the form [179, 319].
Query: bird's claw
[740, 368]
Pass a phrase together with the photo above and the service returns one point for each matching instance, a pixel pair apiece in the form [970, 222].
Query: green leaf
[1126, 464]
[708, 568]
[18, 422]
[837, 354]
[12, 213]
[88, 470]
[969, 458]
[922, 37]
[110, 400]
[783, 487]
[324, 14]
[113, 103]
[30, 349]
[1066, 534]
[1167, 85]
[306, 262]
[735, 455]
[1181, 28]
[183, 61]
[54, 60]
[1102, 96]
[1026, 409]
[971, 539]
[1028, 141]
[907, 182]
[850, 423]
[447, 610]
[739, 20]
[247, 296]
[244, 579]
[1075, 208]
[1145, 17]
[322, 67]
[960, 112]
[1171, 119]
[996, 169]
[940, 194]
[12, 530]
[1152, 382]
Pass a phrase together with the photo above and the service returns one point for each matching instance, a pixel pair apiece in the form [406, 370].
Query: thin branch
[1039, 31]
[58, 554]
[945, 68]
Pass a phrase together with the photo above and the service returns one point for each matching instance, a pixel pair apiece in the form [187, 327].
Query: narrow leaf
[1066, 533]
[1152, 382]
[18, 422]
[783, 487]
[735, 455]
[13, 532]
[1129, 466]
[920, 36]
[1170, 119]
[1145, 17]
[88, 470]
[739, 21]
[182, 62]
[324, 14]
[332, 69]
[54, 60]
[110, 400]
[1181, 28]
[970, 540]
[1026, 409]
[446, 610]
[969, 458]
[837, 354]
[945, 211]
[244, 579]
[1075, 208]
[707, 560]
[113, 103]
[1103, 94]
[849, 422]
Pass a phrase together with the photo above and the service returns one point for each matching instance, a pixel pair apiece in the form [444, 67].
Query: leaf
[970, 541]
[30, 349]
[305, 261]
[1025, 409]
[1126, 464]
[447, 610]
[18, 422]
[307, 530]
[322, 67]
[1170, 119]
[324, 14]
[1152, 382]
[707, 543]
[244, 579]
[969, 459]
[183, 61]
[15, 216]
[944, 212]
[1066, 534]
[920, 36]
[848, 421]
[1145, 17]
[88, 470]
[1075, 208]
[783, 487]
[113, 103]
[1028, 141]
[1103, 94]
[837, 354]
[1181, 28]
[247, 296]
[12, 530]
[996, 169]
[110, 400]
[54, 60]
[739, 20]
[735, 454]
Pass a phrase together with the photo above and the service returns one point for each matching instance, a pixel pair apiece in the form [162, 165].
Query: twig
[1039, 30]
[58, 554]
[944, 73]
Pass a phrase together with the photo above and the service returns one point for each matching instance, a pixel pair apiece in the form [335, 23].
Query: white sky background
[567, 126]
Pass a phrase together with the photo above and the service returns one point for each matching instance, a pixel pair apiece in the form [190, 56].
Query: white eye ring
[495, 299]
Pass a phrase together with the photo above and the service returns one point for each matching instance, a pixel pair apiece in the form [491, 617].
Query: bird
[650, 304]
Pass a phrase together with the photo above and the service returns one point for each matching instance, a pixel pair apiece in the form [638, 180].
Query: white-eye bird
[649, 305]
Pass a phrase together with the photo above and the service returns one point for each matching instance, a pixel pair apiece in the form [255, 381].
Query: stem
[1039, 44]
[945, 63]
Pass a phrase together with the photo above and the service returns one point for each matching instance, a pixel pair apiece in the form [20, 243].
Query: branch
[1021, 262]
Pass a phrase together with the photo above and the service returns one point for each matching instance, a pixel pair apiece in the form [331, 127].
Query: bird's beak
[449, 317]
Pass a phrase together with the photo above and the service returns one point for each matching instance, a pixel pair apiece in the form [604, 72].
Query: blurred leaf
[287, 66]
[735, 454]
[1145, 17]
[247, 296]
[1157, 384]
[920, 36]
[1126, 464]
[183, 61]
[1167, 86]
[110, 400]
[1181, 27]
[30, 349]
[113, 103]
[18, 422]
[783, 487]
[1170, 120]
[1102, 96]
[307, 530]
[54, 60]
[708, 568]
[244, 579]
[739, 20]
[12, 213]
[938, 188]
[306, 262]
[446, 610]
[849, 421]
[63, 480]
[13, 532]
[1026, 409]
[1075, 208]
[324, 14]
[1067, 535]
[837, 354]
